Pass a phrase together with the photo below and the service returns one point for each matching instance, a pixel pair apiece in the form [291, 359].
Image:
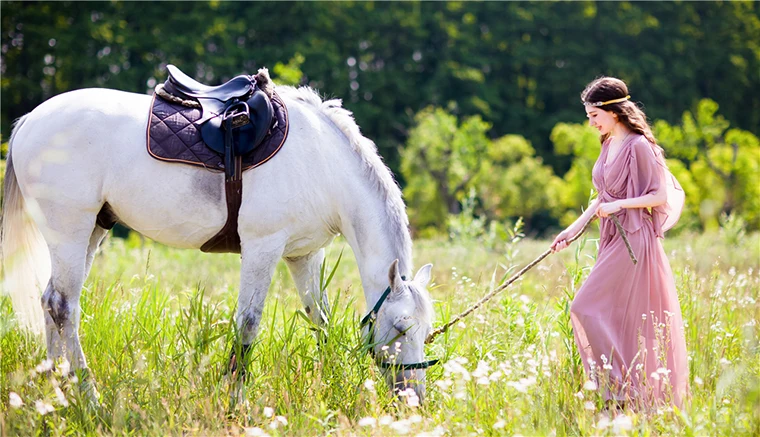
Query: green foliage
[290, 73]
[581, 142]
[443, 160]
[514, 183]
[439, 163]
[520, 66]
[724, 164]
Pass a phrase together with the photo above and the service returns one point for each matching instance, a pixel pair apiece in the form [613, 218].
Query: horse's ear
[423, 275]
[393, 275]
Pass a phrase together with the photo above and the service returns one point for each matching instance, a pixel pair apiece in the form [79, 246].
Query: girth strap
[227, 239]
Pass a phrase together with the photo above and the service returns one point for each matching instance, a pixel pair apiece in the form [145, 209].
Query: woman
[626, 318]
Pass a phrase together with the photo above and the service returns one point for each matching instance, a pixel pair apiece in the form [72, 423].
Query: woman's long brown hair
[610, 88]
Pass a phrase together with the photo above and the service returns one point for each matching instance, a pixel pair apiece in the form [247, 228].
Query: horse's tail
[24, 253]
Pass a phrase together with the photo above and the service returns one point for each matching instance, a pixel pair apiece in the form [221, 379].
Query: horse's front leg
[259, 259]
[306, 272]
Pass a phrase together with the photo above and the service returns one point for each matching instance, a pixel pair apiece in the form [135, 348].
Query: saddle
[235, 116]
[231, 127]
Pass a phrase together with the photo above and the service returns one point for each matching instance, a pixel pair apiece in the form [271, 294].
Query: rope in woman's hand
[517, 276]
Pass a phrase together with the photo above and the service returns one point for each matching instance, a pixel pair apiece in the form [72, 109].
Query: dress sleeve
[648, 172]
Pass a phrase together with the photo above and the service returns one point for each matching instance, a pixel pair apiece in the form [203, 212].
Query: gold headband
[607, 102]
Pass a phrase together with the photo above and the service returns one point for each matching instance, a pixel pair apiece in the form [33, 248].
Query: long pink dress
[626, 318]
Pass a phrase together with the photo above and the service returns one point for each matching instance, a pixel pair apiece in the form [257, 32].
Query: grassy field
[157, 333]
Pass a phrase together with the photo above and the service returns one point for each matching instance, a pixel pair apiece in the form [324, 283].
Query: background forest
[474, 106]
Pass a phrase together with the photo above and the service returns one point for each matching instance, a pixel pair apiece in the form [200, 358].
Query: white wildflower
[64, 367]
[444, 384]
[385, 420]
[367, 422]
[579, 395]
[589, 385]
[500, 424]
[415, 418]
[603, 423]
[255, 432]
[43, 407]
[413, 400]
[44, 366]
[589, 406]
[621, 423]
[698, 380]
[15, 400]
[268, 411]
[369, 385]
[61, 397]
[400, 426]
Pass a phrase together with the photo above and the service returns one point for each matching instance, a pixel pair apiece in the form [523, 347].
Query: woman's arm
[560, 242]
[650, 200]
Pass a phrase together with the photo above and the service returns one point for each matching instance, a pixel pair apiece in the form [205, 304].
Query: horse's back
[88, 147]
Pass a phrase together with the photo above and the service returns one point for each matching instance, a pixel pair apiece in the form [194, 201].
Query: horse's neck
[378, 236]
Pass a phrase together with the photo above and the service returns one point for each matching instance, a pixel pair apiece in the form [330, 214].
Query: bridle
[369, 321]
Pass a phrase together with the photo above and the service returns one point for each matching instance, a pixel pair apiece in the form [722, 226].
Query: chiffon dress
[626, 318]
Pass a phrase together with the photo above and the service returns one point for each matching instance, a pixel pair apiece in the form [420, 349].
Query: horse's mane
[374, 168]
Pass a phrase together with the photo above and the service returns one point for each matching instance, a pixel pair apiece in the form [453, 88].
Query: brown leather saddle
[233, 127]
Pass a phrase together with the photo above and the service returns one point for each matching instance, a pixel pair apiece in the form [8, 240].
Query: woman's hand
[560, 242]
[607, 208]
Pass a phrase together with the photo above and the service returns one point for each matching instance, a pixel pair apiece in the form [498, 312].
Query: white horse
[83, 149]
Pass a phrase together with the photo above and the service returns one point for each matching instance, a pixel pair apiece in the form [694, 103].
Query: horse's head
[403, 322]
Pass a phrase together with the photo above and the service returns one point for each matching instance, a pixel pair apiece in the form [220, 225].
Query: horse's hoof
[237, 366]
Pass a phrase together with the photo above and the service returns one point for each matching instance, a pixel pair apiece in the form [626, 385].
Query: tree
[724, 163]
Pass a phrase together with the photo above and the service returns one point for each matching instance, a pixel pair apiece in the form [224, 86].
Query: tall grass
[157, 329]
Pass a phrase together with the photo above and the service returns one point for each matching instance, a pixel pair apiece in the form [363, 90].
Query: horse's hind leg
[60, 301]
[306, 275]
[97, 237]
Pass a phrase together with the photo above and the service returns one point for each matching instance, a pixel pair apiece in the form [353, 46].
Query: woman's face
[603, 120]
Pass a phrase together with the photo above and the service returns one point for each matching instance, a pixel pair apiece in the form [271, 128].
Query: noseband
[369, 321]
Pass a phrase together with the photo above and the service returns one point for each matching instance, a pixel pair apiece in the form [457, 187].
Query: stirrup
[240, 114]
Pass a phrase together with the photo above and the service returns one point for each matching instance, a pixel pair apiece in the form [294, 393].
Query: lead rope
[517, 276]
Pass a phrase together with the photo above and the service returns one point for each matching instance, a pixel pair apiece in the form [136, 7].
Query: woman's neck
[620, 131]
